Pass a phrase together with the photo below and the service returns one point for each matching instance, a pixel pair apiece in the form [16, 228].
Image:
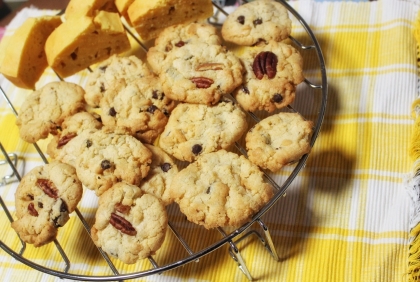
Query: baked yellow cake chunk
[81, 42]
[150, 17]
[23, 58]
[79, 8]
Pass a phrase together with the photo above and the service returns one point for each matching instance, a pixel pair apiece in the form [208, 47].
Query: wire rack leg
[236, 255]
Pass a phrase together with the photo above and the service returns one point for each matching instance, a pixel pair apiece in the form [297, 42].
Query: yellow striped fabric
[346, 217]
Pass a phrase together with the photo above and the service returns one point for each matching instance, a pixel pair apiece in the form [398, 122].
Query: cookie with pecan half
[44, 199]
[129, 224]
[273, 72]
[200, 73]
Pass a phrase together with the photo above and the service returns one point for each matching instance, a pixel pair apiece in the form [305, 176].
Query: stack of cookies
[145, 134]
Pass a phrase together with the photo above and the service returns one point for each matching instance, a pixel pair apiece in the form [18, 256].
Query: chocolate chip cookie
[44, 199]
[220, 189]
[109, 72]
[256, 21]
[273, 72]
[67, 144]
[139, 106]
[44, 110]
[129, 224]
[107, 158]
[195, 129]
[279, 140]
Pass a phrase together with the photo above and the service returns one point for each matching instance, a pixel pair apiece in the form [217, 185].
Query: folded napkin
[350, 215]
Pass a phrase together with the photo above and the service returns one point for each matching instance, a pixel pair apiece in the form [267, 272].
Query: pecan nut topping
[48, 187]
[65, 139]
[122, 208]
[122, 224]
[31, 209]
[202, 82]
[265, 63]
[209, 66]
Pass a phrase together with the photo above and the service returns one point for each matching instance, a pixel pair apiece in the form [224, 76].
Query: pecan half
[31, 209]
[122, 224]
[209, 66]
[265, 63]
[202, 82]
[65, 139]
[48, 187]
[122, 208]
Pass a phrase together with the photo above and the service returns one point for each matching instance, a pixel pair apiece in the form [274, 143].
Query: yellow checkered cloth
[348, 214]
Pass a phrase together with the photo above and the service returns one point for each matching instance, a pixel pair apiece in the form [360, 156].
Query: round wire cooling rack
[317, 90]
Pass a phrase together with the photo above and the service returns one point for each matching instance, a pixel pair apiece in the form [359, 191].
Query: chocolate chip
[152, 109]
[63, 207]
[73, 56]
[88, 143]
[112, 112]
[40, 205]
[277, 98]
[241, 19]
[165, 167]
[105, 164]
[245, 89]
[155, 94]
[31, 197]
[102, 87]
[103, 68]
[208, 190]
[196, 149]
[257, 22]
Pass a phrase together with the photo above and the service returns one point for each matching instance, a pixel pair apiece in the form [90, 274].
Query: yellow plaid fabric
[346, 217]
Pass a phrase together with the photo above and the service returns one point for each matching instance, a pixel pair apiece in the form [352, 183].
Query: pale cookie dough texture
[129, 224]
[67, 144]
[194, 129]
[220, 189]
[200, 73]
[273, 72]
[256, 21]
[109, 72]
[279, 140]
[162, 170]
[176, 36]
[108, 158]
[139, 107]
[44, 199]
[44, 110]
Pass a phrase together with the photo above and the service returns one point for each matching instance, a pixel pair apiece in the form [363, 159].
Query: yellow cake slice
[150, 17]
[81, 42]
[80, 8]
[23, 59]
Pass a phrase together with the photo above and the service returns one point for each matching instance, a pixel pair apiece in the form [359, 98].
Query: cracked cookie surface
[44, 199]
[107, 158]
[200, 73]
[66, 145]
[175, 37]
[45, 109]
[256, 21]
[162, 170]
[195, 129]
[220, 189]
[139, 107]
[129, 223]
[279, 140]
[273, 72]
[109, 72]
